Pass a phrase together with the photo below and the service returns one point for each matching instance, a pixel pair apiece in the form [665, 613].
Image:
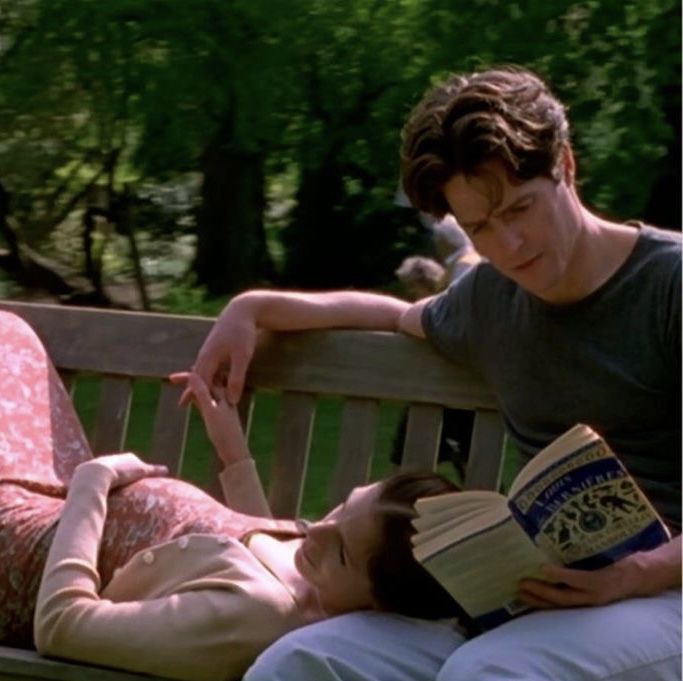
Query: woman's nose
[320, 531]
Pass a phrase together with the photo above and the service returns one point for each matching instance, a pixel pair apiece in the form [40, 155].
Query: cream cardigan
[200, 608]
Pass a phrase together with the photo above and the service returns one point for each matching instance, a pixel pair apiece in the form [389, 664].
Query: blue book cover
[574, 503]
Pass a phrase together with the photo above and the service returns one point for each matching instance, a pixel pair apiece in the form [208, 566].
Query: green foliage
[188, 298]
[129, 92]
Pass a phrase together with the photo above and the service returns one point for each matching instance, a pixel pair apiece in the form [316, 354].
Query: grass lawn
[199, 452]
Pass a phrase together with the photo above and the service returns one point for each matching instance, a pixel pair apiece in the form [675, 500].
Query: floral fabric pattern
[41, 443]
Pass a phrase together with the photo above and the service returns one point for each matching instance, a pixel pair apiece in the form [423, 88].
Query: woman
[189, 603]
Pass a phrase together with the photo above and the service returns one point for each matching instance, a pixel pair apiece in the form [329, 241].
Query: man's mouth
[525, 265]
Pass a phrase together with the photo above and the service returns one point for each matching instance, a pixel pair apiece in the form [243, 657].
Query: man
[571, 318]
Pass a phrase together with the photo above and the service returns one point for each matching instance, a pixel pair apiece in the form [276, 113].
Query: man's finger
[186, 398]
[200, 390]
[236, 377]
[534, 601]
[205, 368]
[556, 595]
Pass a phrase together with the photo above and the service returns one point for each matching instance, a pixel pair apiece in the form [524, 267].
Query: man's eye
[520, 208]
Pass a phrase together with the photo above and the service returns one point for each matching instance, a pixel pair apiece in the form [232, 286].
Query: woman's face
[333, 557]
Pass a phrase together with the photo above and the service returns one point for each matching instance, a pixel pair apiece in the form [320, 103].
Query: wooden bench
[363, 368]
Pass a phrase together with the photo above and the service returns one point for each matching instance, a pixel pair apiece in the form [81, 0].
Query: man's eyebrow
[514, 203]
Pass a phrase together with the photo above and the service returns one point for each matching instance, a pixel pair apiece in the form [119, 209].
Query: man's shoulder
[661, 239]
[659, 250]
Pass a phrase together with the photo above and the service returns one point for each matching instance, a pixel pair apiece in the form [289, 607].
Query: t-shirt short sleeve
[447, 317]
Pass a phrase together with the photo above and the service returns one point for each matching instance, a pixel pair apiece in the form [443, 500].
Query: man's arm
[410, 322]
[232, 341]
[645, 573]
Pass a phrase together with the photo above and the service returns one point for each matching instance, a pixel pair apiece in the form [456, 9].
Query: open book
[574, 503]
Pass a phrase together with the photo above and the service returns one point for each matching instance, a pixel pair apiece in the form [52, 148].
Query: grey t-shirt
[611, 360]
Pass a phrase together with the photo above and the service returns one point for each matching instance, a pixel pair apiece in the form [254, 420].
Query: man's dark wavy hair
[506, 114]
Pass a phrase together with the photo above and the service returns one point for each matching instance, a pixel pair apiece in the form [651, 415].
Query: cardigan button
[183, 542]
[148, 557]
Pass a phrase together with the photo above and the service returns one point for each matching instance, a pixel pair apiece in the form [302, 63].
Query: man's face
[526, 230]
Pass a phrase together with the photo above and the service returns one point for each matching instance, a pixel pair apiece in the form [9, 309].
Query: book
[574, 504]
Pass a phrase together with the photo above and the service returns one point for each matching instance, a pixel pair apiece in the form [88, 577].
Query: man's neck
[601, 248]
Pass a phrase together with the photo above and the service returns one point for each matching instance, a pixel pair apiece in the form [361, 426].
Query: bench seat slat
[26, 665]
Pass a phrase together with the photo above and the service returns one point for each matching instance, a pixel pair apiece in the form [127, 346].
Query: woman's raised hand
[127, 468]
[221, 419]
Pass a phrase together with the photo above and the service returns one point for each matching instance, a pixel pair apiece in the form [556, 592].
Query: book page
[482, 571]
[462, 505]
[478, 514]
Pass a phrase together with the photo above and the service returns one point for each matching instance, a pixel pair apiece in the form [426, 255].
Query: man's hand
[221, 419]
[646, 573]
[126, 468]
[230, 345]
[229, 348]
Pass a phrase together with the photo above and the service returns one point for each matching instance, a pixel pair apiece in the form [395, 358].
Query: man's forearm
[289, 311]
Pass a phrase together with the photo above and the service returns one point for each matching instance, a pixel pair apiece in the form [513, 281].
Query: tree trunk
[316, 240]
[231, 244]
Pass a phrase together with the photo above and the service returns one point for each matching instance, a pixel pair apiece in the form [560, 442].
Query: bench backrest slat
[357, 437]
[113, 409]
[294, 432]
[423, 434]
[170, 429]
[484, 466]
[68, 380]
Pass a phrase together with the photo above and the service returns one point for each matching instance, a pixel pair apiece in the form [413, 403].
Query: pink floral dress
[41, 442]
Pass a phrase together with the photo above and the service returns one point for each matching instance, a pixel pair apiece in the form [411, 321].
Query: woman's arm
[242, 488]
[206, 632]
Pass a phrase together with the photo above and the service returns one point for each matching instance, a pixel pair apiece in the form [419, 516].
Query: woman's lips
[303, 550]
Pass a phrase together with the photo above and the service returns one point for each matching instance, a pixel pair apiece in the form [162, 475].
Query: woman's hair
[399, 582]
[508, 114]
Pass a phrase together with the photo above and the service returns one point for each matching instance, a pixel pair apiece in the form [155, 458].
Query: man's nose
[509, 237]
